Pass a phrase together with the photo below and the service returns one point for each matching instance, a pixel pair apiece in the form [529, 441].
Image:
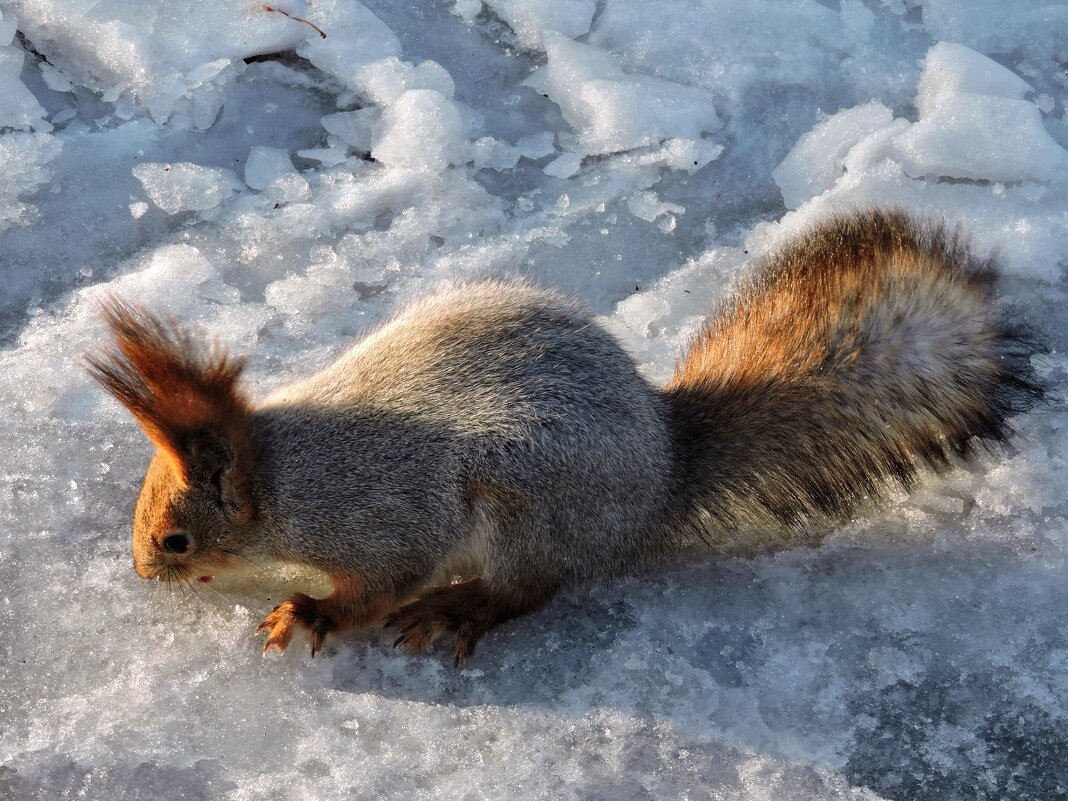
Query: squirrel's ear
[185, 396]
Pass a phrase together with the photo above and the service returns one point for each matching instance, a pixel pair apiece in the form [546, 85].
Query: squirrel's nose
[176, 543]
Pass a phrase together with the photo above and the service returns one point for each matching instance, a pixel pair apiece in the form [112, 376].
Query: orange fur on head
[172, 386]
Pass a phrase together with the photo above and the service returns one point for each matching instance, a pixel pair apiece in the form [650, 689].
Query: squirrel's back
[492, 401]
[490, 357]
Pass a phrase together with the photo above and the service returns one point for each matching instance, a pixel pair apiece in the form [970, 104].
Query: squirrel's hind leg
[467, 610]
[351, 605]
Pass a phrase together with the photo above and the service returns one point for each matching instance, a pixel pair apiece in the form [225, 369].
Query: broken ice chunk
[19, 108]
[385, 80]
[8, 27]
[981, 137]
[611, 110]
[186, 187]
[648, 206]
[328, 156]
[493, 154]
[564, 166]
[422, 129]
[536, 146]
[24, 166]
[353, 127]
[529, 19]
[953, 69]
[816, 162]
[264, 164]
[355, 37]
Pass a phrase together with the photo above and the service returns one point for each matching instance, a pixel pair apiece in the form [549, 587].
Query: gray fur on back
[493, 428]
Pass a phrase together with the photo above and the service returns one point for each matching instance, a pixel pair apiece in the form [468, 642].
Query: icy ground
[226, 164]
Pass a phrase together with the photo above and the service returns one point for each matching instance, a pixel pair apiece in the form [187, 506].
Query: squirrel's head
[197, 510]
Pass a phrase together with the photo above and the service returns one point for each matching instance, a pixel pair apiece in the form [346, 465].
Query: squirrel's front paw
[300, 610]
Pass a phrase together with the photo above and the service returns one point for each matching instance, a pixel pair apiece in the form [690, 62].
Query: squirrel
[493, 444]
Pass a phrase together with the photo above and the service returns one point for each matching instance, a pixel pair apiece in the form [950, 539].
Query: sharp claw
[321, 628]
[400, 640]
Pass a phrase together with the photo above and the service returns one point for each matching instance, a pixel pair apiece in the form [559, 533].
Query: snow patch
[611, 110]
[422, 129]
[531, 19]
[185, 186]
[818, 159]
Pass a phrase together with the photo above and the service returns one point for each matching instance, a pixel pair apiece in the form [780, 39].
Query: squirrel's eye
[176, 543]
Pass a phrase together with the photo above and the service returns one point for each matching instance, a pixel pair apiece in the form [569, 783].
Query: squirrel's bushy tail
[858, 353]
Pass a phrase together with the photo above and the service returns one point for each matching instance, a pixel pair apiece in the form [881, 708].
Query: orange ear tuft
[173, 386]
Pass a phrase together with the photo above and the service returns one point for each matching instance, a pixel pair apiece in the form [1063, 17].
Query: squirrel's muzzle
[143, 570]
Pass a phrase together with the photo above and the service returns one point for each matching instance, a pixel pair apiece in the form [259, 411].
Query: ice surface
[19, 108]
[163, 56]
[24, 160]
[917, 655]
[1033, 31]
[727, 45]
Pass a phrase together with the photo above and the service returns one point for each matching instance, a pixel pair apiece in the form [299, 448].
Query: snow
[384, 81]
[529, 20]
[20, 109]
[611, 110]
[169, 58]
[981, 137]
[953, 69]
[917, 653]
[421, 128]
[24, 160]
[265, 165]
[816, 162]
[185, 186]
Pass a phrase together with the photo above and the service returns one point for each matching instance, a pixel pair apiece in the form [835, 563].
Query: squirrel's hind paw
[467, 610]
[420, 623]
[300, 610]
